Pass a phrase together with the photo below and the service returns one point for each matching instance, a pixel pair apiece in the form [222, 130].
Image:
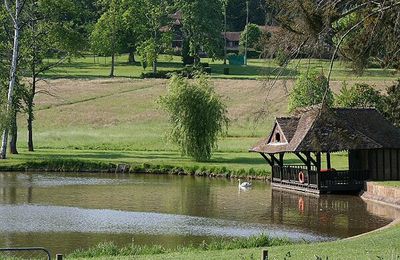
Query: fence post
[59, 257]
[264, 254]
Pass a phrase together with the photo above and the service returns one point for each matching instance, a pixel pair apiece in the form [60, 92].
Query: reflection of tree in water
[196, 199]
[15, 190]
[337, 215]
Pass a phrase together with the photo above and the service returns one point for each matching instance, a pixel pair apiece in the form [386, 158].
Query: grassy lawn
[118, 120]
[393, 184]
[95, 67]
[384, 244]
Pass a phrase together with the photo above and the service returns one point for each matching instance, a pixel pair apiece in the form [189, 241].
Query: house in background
[232, 40]
[372, 144]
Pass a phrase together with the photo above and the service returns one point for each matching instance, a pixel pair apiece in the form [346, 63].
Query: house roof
[321, 129]
[232, 36]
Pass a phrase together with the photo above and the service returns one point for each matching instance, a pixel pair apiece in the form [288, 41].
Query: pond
[64, 212]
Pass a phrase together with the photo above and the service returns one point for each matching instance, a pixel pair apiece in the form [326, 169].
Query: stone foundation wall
[374, 191]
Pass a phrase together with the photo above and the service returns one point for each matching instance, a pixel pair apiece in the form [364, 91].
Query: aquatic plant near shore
[110, 249]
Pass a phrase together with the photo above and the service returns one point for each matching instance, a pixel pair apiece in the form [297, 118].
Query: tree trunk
[131, 58]
[30, 105]
[155, 67]
[112, 65]
[13, 73]
[13, 134]
[30, 125]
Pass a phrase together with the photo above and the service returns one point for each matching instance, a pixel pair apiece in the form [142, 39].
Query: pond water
[64, 212]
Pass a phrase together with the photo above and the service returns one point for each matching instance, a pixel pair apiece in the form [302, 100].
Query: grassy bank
[95, 67]
[384, 244]
[109, 249]
[160, 162]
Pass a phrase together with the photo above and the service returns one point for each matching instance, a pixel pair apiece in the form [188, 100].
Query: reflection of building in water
[341, 216]
[15, 190]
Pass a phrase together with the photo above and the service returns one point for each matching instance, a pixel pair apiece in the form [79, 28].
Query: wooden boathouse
[372, 144]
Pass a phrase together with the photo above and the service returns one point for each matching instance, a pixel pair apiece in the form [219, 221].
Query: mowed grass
[392, 184]
[384, 244]
[96, 67]
[118, 120]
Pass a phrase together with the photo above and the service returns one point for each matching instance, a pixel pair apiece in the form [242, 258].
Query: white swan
[244, 185]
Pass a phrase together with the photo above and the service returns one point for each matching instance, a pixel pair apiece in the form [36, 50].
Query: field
[95, 67]
[91, 118]
[118, 120]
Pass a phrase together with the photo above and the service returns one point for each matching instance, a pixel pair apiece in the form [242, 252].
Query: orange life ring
[301, 177]
[301, 204]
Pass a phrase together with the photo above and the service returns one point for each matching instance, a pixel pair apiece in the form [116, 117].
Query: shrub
[158, 74]
[197, 115]
[359, 95]
[391, 104]
[253, 33]
[309, 90]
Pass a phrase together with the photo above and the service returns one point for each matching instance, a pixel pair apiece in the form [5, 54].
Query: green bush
[253, 35]
[197, 115]
[391, 104]
[158, 74]
[309, 90]
[359, 95]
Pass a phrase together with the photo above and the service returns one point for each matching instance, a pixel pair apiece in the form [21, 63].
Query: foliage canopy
[359, 95]
[253, 36]
[391, 104]
[197, 115]
[310, 89]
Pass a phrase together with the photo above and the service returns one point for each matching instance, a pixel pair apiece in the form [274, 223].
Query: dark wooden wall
[383, 164]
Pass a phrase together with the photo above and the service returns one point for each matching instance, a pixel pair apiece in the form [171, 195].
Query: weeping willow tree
[197, 114]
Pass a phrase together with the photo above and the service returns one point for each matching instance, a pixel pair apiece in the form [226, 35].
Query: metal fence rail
[25, 253]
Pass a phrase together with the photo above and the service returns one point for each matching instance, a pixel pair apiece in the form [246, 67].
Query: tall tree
[14, 12]
[236, 11]
[53, 29]
[151, 22]
[106, 37]
[197, 114]
[4, 66]
[202, 24]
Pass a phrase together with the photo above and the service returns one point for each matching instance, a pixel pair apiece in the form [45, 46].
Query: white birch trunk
[13, 72]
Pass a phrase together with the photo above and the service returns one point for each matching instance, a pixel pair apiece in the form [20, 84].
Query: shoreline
[388, 201]
[78, 166]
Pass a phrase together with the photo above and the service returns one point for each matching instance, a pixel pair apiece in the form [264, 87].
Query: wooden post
[328, 160]
[281, 156]
[59, 257]
[308, 164]
[318, 159]
[264, 254]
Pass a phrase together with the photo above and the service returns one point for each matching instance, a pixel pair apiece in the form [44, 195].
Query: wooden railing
[343, 180]
[289, 174]
[325, 181]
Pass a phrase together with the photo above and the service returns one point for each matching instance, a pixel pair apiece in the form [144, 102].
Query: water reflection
[337, 215]
[86, 209]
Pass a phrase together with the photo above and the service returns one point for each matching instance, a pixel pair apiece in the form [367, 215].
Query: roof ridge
[308, 130]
